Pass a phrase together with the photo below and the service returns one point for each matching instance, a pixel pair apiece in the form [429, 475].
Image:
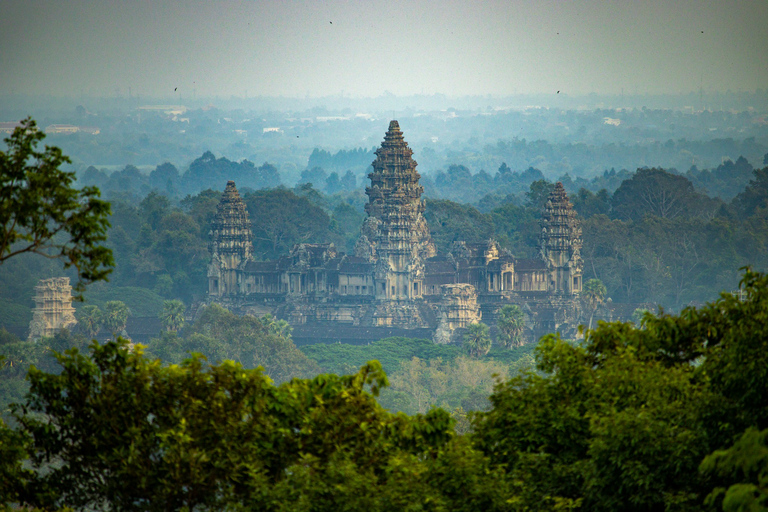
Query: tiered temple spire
[231, 243]
[395, 234]
[561, 242]
[231, 227]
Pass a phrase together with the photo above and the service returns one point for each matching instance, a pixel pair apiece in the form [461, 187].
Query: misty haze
[434, 256]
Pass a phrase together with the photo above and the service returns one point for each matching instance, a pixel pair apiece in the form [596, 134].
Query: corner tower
[395, 235]
[560, 243]
[230, 245]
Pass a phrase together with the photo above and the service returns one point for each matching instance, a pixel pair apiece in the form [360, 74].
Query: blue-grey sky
[367, 48]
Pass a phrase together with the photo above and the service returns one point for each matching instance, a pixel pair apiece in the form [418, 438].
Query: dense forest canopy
[671, 414]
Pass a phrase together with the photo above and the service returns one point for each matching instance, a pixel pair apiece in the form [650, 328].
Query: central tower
[395, 235]
[560, 243]
[230, 245]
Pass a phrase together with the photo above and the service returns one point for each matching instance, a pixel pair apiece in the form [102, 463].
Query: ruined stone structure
[53, 308]
[396, 279]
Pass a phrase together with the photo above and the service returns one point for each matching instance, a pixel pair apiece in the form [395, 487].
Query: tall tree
[42, 212]
[115, 316]
[511, 323]
[173, 315]
[592, 297]
[91, 318]
[477, 340]
[655, 192]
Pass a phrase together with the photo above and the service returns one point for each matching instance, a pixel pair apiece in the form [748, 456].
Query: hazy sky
[367, 48]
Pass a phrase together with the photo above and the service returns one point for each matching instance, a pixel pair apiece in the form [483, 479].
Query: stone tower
[560, 243]
[230, 245]
[395, 235]
[53, 308]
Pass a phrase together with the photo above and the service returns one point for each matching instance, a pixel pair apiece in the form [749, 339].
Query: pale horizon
[371, 49]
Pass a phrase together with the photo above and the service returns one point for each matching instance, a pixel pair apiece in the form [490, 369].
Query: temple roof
[529, 265]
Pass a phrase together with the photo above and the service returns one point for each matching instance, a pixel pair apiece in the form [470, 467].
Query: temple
[396, 281]
[53, 308]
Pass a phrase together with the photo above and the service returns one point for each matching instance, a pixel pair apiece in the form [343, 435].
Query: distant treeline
[348, 173]
[457, 182]
[207, 172]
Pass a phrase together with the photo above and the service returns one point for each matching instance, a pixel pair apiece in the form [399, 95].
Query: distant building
[68, 129]
[61, 128]
[396, 279]
[53, 308]
[9, 127]
[169, 110]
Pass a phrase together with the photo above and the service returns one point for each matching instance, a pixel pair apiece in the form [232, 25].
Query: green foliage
[220, 335]
[141, 436]
[511, 323]
[638, 315]
[592, 296]
[141, 301]
[450, 222]
[91, 318]
[424, 374]
[277, 327]
[743, 467]
[341, 358]
[624, 421]
[13, 313]
[617, 435]
[17, 357]
[538, 194]
[14, 478]
[463, 383]
[754, 198]
[477, 340]
[115, 316]
[655, 192]
[669, 417]
[42, 213]
[280, 219]
[210, 172]
[173, 315]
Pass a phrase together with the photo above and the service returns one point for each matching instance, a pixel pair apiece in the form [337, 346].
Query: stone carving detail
[457, 309]
[53, 308]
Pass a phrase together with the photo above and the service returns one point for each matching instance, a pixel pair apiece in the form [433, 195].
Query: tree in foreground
[511, 323]
[128, 433]
[673, 416]
[624, 420]
[746, 463]
[477, 340]
[42, 212]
